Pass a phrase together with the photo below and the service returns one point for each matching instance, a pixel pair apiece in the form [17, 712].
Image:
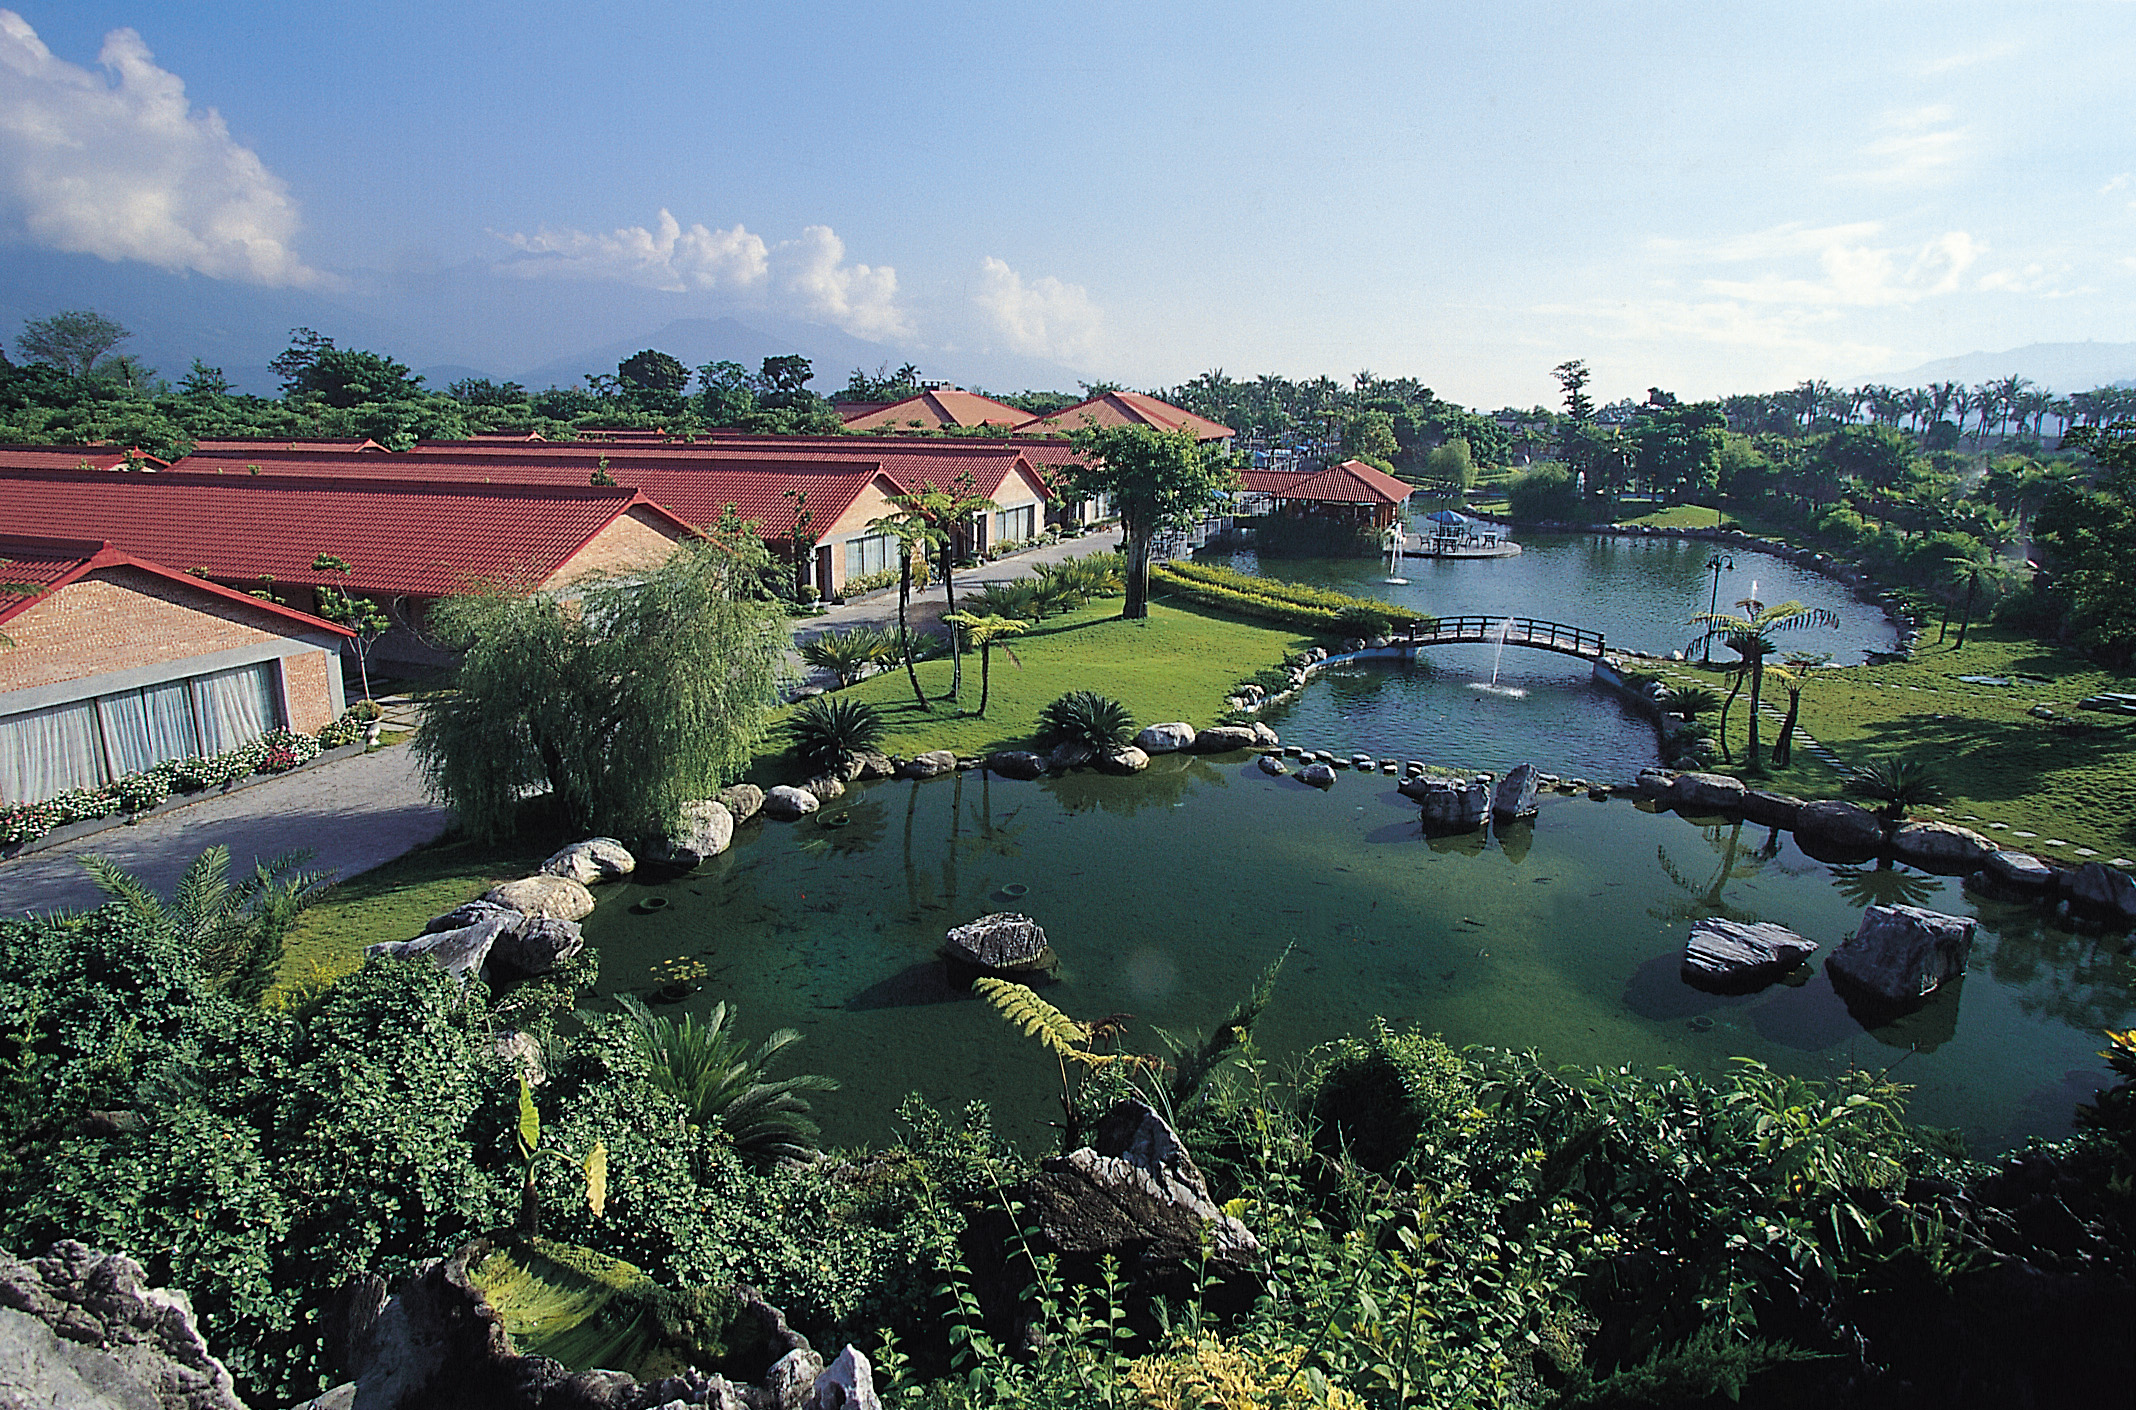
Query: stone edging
[68, 832]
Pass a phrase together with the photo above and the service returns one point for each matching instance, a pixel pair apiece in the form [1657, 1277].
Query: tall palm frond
[705, 1067]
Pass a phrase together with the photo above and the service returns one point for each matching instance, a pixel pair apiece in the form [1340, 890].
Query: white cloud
[807, 276]
[1970, 58]
[1920, 146]
[1850, 268]
[123, 167]
[1042, 318]
[2119, 183]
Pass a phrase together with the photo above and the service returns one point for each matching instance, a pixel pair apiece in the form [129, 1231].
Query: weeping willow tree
[625, 696]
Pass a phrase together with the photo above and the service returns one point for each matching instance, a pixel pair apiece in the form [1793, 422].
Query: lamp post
[1714, 565]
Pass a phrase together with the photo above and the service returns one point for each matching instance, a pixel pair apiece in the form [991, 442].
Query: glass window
[47, 752]
[235, 707]
[1014, 524]
[864, 557]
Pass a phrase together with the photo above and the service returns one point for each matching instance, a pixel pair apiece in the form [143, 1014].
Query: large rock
[1779, 810]
[1122, 759]
[1016, 763]
[743, 800]
[2020, 869]
[1166, 738]
[1654, 783]
[933, 764]
[847, 1383]
[1273, 765]
[1902, 953]
[465, 937]
[1265, 737]
[1706, 793]
[867, 765]
[1455, 807]
[79, 1329]
[1136, 1194]
[1941, 847]
[2104, 890]
[1222, 739]
[1003, 942]
[705, 830]
[595, 859]
[825, 786]
[552, 897]
[1318, 774]
[1731, 957]
[1840, 827]
[1515, 797]
[1070, 754]
[785, 804]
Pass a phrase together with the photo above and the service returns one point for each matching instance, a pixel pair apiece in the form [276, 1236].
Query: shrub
[1295, 605]
[1543, 492]
[1085, 717]
[1361, 621]
[829, 730]
[851, 653]
[1376, 1097]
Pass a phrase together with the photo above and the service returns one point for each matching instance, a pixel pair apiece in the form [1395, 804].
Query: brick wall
[630, 540]
[311, 699]
[120, 618]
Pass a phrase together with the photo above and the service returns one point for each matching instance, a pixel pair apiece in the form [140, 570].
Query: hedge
[1273, 600]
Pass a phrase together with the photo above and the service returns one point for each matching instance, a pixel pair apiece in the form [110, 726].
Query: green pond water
[1165, 893]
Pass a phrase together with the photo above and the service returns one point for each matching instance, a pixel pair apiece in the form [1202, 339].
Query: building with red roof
[120, 663]
[932, 411]
[1126, 409]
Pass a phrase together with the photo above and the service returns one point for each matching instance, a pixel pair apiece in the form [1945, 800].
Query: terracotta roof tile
[50, 564]
[1128, 409]
[945, 406]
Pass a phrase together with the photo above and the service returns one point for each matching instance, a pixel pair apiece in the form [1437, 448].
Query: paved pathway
[354, 813]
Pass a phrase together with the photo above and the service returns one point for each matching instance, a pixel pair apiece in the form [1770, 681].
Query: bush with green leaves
[851, 653]
[830, 730]
[1085, 717]
[724, 1086]
[1298, 605]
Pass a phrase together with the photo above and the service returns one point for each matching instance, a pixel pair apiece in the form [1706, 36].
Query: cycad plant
[720, 1083]
[1896, 782]
[850, 654]
[1690, 701]
[1085, 717]
[830, 730]
[235, 928]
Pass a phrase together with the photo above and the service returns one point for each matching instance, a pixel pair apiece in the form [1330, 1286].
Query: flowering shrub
[273, 752]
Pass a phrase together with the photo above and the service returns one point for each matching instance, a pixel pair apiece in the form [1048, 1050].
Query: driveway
[353, 813]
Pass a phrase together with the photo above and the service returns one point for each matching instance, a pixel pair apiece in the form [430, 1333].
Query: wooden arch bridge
[1533, 632]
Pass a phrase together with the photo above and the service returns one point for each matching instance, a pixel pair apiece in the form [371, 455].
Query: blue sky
[1709, 198]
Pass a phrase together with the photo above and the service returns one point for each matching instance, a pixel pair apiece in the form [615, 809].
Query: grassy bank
[1682, 516]
[2070, 779]
[1177, 665]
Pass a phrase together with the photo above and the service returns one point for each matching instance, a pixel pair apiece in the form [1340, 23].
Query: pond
[1165, 893]
[1640, 593]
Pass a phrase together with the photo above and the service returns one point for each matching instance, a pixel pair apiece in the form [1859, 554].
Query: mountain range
[2058, 367]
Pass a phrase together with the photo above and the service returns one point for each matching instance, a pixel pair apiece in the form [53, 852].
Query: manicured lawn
[390, 903]
[2072, 778]
[1682, 516]
[1177, 665]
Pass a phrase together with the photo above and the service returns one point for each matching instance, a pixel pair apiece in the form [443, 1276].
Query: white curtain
[171, 732]
[236, 707]
[47, 752]
[144, 728]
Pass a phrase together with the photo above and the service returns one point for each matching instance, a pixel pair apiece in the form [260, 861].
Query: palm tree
[1749, 634]
[984, 632]
[719, 1083]
[1972, 572]
[234, 928]
[913, 532]
[1794, 675]
[1898, 782]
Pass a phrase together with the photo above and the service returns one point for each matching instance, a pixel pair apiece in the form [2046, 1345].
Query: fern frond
[122, 885]
[1036, 1018]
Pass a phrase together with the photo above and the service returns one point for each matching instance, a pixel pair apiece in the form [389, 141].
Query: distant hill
[2059, 367]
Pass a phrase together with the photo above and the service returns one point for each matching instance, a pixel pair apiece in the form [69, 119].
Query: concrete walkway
[353, 813]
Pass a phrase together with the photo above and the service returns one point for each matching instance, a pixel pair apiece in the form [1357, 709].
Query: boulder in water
[1001, 943]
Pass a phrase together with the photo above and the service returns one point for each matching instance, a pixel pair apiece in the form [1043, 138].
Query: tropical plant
[983, 632]
[721, 1084]
[830, 730]
[234, 929]
[1361, 621]
[1085, 717]
[364, 618]
[1973, 574]
[1690, 701]
[1073, 1043]
[636, 695]
[1898, 782]
[1018, 598]
[915, 532]
[1748, 632]
[1794, 675]
[851, 653]
[526, 1138]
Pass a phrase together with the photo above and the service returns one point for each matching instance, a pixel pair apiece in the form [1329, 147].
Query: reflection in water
[1709, 897]
[1884, 884]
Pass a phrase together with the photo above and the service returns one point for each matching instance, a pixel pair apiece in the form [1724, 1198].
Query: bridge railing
[1521, 631]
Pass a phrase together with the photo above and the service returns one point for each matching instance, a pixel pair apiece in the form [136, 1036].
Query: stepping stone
[1998, 827]
[2054, 842]
[2121, 862]
[2087, 852]
[2022, 833]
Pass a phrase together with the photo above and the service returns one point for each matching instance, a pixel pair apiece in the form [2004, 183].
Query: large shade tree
[625, 696]
[1156, 480]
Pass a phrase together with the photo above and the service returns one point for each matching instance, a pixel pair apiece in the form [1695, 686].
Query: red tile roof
[420, 538]
[51, 564]
[1127, 409]
[946, 406]
[1352, 482]
[76, 457]
[235, 447]
[1273, 481]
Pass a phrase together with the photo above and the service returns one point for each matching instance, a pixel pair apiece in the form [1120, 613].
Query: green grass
[1682, 516]
[392, 902]
[1177, 665]
[2071, 778]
